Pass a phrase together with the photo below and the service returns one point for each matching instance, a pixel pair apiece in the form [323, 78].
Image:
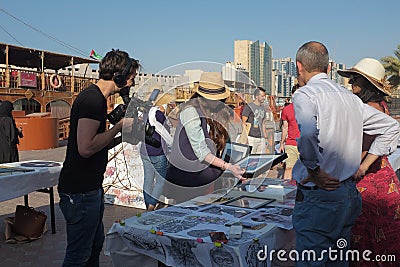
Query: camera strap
[160, 129]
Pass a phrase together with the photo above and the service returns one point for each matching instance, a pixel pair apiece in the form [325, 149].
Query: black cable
[77, 50]
[11, 35]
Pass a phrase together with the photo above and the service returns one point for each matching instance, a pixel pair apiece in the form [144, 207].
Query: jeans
[83, 213]
[155, 171]
[323, 220]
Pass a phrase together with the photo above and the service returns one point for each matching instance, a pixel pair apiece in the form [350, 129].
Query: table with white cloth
[24, 177]
[180, 235]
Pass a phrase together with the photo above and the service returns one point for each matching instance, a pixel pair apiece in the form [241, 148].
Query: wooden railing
[63, 129]
[15, 80]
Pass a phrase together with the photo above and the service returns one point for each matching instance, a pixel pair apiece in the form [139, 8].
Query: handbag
[29, 222]
[242, 138]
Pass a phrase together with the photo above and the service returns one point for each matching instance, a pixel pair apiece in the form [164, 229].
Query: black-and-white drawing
[207, 219]
[200, 233]
[221, 257]
[182, 253]
[153, 219]
[176, 225]
[171, 213]
[143, 242]
[251, 256]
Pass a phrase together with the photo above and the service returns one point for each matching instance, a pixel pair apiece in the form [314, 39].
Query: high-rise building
[266, 67]
[285, 74]
[241, 53]
[256, 58]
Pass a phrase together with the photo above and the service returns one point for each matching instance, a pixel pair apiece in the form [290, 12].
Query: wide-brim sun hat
[373, 71]
[212, 86]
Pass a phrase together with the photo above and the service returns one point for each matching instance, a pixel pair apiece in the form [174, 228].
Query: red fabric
[378, 227]
[293, 128]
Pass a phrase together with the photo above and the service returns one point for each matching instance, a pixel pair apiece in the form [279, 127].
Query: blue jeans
[155, 170]
[83, 213]
[322, 218]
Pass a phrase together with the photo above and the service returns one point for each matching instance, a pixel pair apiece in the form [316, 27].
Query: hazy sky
[164, 33]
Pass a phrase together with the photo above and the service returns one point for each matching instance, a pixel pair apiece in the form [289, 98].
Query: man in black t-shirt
[255, 114]
[81, 178]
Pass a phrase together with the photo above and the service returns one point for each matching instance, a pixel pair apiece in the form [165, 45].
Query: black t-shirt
[79, 174]
[255, 115]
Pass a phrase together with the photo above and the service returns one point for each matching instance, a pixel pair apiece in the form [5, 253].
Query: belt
[315, 187]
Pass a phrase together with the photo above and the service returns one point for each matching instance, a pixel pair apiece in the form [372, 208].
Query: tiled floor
[49, 250]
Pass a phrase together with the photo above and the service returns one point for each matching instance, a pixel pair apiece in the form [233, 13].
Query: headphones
[119, 78]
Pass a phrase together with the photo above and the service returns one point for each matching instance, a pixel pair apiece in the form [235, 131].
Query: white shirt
[331, 121]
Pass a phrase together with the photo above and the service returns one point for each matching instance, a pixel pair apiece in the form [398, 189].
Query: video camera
[141, 130]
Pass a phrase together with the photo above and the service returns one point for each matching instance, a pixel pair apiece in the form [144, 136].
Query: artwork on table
[207, 219]
[221, 210]
[251, 258]
[248, 202]
[171, 213]
[151, 218]
[182, 253]
[144, 242]
[281, 218]
[221, 256]
[200, 233]
[176, 225]
[123, 179]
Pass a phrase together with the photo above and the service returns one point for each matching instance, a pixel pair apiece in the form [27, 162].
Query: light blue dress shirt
[331, 121]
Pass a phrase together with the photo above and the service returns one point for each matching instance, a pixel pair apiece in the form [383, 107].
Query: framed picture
[234, 152]
[248, 202]
[256, 164]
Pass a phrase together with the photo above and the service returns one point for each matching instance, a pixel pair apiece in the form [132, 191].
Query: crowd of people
[337, 142]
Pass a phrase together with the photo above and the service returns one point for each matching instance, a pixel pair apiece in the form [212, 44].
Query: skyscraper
[256, 58]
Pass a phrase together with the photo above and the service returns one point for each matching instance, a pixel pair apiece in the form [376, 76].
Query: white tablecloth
[22, 183]
[154, 237]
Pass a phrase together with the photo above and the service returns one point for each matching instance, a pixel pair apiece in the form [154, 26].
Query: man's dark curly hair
[116, 61]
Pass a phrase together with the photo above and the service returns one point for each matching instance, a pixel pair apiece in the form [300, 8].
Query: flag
[94, 55]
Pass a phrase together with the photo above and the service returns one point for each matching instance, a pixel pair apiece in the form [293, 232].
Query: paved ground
[49, 250]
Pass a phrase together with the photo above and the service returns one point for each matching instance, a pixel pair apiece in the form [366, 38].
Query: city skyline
[162, 34]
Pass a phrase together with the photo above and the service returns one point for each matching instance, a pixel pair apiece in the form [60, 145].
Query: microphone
[124, 93]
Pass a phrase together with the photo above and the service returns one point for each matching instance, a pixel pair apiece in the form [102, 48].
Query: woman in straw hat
[153, 152]
[377, 229]
[200, 137]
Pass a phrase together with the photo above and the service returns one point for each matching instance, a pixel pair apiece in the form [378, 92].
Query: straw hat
[373, 71]
[212, 86]
[164, 99]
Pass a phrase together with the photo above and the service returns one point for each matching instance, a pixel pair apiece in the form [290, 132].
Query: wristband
[224, 166]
